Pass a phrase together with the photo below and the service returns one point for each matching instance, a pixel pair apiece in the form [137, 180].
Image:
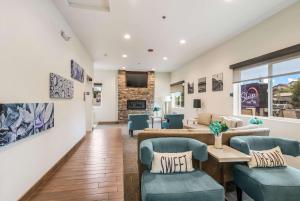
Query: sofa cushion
[204, 118]
[216, 117]
[247, 127]
[269, 184]
[172, 162]
[196, 186]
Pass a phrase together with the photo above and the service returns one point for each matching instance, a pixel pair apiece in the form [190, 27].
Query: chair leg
[239, 193]
[131, 133]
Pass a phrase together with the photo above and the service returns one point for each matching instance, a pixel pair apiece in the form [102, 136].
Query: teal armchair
[190, 186]
[267, 184]
[173, 121]
[137, 122]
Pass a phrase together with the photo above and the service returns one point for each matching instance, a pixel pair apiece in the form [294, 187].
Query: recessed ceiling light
[123, 68]
[124, 55]
[182, 41]
[127, 36]
[165, 58]
[153, 69]
[228, 0]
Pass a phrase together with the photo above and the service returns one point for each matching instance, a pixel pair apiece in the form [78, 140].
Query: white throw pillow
[216, 117]
[267, 158]
[166, 163]
[204, 118]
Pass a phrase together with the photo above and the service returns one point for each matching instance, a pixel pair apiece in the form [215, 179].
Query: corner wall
[31, 47]
[280, 31]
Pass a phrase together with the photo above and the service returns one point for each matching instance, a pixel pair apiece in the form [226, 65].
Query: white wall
[108, 111]
[280, 31]
[31, 47]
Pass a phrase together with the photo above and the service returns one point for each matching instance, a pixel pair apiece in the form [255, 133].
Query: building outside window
[269, 90]
[177, 94]
[97, 94]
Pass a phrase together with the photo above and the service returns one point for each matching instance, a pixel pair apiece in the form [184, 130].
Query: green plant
[217, 127]
[156, 109]
[256, 121]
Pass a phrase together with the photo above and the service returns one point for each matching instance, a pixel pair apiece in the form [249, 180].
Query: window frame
[237, 88]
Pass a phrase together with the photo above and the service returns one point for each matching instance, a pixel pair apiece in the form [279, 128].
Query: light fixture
[127, 36]
[228, 0]
[123, 67]
[152, 69]
[182, 41]
[165, 58]
[124, 55]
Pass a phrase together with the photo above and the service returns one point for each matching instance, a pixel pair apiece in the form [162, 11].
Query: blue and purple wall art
[21, 120]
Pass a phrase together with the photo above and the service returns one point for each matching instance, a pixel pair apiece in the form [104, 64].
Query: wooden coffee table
[226, 155]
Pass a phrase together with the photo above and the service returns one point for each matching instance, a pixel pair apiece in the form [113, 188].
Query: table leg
[223, 182]
[152, 119]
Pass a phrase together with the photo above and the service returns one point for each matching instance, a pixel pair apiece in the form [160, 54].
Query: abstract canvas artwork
[202, 85]
[77, 72]
[217, 82]
[18, 121]
[190, 86]
[61, 87]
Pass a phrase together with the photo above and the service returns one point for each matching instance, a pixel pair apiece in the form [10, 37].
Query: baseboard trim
[107, 122]
[50, 172]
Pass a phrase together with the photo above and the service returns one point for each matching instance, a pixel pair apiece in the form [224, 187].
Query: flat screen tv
[136, 79]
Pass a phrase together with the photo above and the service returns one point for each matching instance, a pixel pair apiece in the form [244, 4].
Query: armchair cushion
[269, 184]
[258, 143]
[196, 186]
[171, 145]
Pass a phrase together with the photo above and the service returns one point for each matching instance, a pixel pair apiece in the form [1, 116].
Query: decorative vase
[218, 141]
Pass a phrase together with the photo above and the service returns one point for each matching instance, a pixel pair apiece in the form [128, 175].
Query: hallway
[93, 172]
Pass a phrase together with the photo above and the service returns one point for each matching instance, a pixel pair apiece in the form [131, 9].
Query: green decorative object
[256, 121]
[217, 128]
[156, 109]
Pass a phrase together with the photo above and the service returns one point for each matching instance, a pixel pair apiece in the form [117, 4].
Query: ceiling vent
[100, 5]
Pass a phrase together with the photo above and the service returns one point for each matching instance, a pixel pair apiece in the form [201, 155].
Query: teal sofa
[137, 122]
[267, 184]
[190, 186]
[173, 121]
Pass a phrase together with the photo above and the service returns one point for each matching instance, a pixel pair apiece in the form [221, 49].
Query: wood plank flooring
[93, 173]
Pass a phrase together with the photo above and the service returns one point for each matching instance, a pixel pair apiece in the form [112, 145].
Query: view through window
[177, 95]
[97, 94]
[271, 90]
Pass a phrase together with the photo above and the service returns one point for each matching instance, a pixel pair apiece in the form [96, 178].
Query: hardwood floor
[93, 172]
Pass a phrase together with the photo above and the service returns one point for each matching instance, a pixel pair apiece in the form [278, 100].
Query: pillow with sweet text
[166, 163]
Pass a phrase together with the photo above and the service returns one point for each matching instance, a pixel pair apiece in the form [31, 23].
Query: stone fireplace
[134, 100]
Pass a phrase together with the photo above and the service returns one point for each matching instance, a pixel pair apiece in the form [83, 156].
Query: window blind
[277, 68]
[177, 87]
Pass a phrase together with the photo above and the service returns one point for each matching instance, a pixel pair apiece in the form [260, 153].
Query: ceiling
[204, 24]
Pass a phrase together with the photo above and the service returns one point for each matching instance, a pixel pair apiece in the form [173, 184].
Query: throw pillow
[204, 118]
[166, 163]
[267, 158]
[216, 117]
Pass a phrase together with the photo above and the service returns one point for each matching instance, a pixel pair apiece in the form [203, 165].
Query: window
[272, 89]
[97, 94]
[177, 94]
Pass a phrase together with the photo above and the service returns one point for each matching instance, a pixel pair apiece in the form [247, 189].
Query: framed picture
[77, 72]
[190, 86]
[217, 82]
[21, 120]
[61, 87]
[97, 94]
[202, 85]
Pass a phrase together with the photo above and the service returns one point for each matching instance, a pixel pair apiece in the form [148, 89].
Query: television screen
[136, 79]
